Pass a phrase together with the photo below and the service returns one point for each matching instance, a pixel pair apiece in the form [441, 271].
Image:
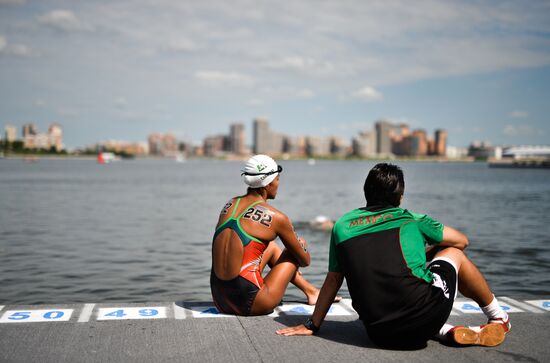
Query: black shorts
[233, 296]
[426, 321]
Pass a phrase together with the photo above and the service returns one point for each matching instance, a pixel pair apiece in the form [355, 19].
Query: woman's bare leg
[275, 284]
[272, 255]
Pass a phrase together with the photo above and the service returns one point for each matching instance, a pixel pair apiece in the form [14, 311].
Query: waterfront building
[29, 130]
[419, 143]
[440, 142]
[317, 146]
[484, 150]
[237, 138]
[10, 133]
[261, 136]
[364, 145]
[162, 144]
[53, 139]
[383, 137]
[214, 145]
[431, 147]
[338, 147]
[55, 135]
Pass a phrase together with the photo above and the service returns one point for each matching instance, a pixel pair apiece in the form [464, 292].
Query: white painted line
[303, 309]
[86, 313]
[1, 307]
[207, 312]
[520, 305]
[35, 316]
[542, 304]
[179, 312]
[467, 306]
[131, 313]
[347, 303]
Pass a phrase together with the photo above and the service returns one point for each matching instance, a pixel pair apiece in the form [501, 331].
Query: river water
[140, 230]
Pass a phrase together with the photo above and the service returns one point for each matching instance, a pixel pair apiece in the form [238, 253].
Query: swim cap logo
[260, 167]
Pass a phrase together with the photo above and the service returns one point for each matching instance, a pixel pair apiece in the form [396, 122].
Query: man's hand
[295, 330]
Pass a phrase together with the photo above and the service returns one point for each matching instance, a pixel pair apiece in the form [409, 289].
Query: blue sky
[120, 69]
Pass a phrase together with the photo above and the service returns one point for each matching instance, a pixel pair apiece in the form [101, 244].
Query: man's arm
[454, 238]
[330, 288]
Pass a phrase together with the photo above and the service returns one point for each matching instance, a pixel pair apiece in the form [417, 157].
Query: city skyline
[124, 69]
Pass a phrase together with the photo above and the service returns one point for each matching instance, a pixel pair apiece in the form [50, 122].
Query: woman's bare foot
[313, 295]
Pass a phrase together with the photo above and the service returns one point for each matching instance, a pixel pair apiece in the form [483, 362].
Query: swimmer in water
[244, 243]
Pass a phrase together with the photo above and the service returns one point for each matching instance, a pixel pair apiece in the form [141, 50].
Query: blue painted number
[470, 307]
[53, 314]
[117, 313]
[20, 315]
[546, 304]
[148, 312]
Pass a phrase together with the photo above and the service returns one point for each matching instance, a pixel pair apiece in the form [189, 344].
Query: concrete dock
[193, 332]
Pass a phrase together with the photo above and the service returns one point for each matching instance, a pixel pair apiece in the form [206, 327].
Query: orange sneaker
[489, 335]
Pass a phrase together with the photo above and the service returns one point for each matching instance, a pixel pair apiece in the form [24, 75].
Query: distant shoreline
[34, 157]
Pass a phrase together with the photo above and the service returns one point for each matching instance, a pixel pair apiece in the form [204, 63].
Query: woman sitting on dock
[244, 243]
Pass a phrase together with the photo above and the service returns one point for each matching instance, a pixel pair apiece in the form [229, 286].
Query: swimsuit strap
[235, 208]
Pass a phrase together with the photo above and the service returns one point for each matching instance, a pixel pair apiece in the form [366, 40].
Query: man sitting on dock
[380, 251]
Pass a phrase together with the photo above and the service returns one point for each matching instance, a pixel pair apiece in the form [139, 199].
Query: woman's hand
[294, 330]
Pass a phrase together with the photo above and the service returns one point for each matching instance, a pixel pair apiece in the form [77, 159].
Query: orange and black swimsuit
[237, 295]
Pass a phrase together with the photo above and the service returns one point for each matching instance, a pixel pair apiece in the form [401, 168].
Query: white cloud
[225, 78]
[300, 64]
[520, 130]
[181, 45]
[64, 20]
[255, 102]
[368, 93]
[18, 50]
[288, 92]
[519, 114]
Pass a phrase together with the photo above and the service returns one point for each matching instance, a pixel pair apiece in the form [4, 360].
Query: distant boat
[106, 157]
[180, 158]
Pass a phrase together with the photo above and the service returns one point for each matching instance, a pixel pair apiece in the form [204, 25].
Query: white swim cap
[260, 170]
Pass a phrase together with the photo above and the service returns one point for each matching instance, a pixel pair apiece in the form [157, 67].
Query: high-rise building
[236, 136]
[383, 137]
[214, 145]
[55, 134]
[317, 146]
[338, 146]
[261, 136]
[364, 145]
[29, 130]
[162, 144]
[441, 142]
[419, 143]
[155, 143]
[10, 133]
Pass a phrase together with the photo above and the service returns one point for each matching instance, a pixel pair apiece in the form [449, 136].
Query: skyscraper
[55, 134]
[419, 144]
[383, 137]
[10, 133]
[440, 142]
[262, 136]
[236, 135]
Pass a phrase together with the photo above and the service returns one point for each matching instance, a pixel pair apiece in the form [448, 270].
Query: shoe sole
[489, 336]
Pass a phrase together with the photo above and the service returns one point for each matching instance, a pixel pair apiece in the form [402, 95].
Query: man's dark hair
[384, 185]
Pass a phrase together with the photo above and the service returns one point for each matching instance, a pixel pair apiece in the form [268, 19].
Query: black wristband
[309, 325]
